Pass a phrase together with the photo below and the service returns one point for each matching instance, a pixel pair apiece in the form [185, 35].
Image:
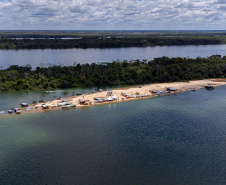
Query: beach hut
[154, 91]
[172, 89]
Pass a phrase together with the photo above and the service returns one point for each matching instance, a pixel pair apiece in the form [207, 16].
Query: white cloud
[112, 14]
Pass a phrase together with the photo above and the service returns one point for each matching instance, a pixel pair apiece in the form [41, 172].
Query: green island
[106, 39]
[125, 72]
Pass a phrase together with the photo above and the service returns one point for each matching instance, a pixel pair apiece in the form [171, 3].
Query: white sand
[182, 86]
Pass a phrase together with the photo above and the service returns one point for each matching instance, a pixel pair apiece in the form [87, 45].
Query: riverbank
[133, 93]
[127, 94]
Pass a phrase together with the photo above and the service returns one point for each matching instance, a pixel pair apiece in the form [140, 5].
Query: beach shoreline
[134, 93]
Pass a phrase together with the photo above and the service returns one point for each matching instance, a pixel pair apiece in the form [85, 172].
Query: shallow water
[175, 139]
[14, 99]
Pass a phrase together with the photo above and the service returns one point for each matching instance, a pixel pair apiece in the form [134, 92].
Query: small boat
[66, 106]
[2, 112]
[84, 101]
[110, 99]
[28, 108]
[154, 91]
[73, 105]
[49, 91]
[44, 106]
[17, 110]
[53, 105]
[24, 104]
[193, 89]
[10, 111]
[209, 87]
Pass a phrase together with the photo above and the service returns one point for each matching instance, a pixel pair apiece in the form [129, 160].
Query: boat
[10, 111]
[209, 87]
[114, 97]
[73, 105]
[110, 99]
[2, 112]
[49, 91]
[83, 101]
[54, 105]
[44, 106]
[154, 91]
[17, 110]
[24, 104]
[28, 108]
[66, 106]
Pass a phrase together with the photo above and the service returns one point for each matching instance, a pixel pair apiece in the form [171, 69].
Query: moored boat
[73, 105]
[17, 110]
[208, 86]
[2, 112]
[28, 108]
[66, 106]
[44, 106]
[10, 111]
[24, 104]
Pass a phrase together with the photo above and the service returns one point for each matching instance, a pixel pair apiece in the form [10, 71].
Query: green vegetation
[94, 42]
[106, 39]
[108, 74]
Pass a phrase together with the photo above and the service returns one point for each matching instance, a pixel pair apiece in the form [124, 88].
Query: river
[67, 57]
[174, 139]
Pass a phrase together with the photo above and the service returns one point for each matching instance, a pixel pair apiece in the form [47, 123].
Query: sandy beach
[135, 92]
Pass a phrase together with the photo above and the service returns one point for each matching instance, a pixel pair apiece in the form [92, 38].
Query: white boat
[17, 110]
[109, 99]
[10, 111]
[115, 97]
[24, 104]
[44, 106]
[2, 112]
[73, 105]
[49, 91]
[28, 108]
[54, 105]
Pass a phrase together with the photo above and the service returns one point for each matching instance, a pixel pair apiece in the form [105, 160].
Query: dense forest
[104, 42]
[106, 39]
[108, 74]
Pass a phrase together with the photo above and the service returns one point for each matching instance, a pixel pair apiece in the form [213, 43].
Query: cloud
[112, 14]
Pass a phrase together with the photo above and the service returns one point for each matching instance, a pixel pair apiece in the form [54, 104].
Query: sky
[112, 14]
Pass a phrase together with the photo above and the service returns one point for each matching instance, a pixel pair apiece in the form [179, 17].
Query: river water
[71, 56]
[174, 139]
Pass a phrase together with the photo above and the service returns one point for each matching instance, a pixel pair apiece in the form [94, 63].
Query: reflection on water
[175, 139]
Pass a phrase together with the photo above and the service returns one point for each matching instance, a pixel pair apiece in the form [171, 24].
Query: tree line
[124, 72]
[106, 42]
